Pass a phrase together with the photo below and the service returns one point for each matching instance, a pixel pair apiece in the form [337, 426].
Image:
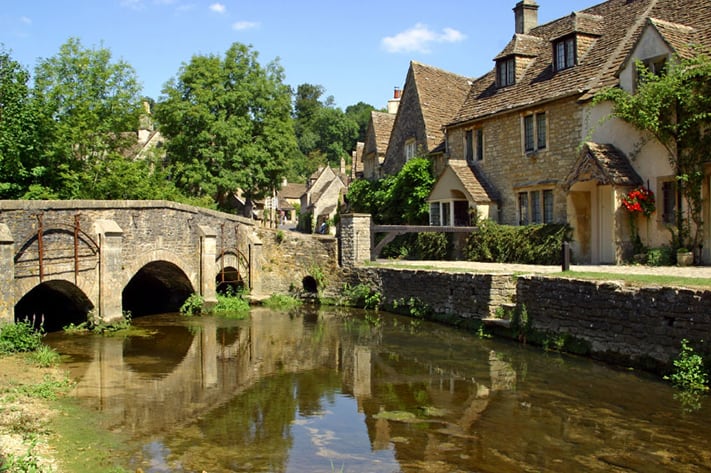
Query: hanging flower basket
[639, 200]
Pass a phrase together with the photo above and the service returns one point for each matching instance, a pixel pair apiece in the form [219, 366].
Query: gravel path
[688, 271]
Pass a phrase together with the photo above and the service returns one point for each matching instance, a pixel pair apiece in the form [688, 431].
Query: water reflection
[333, 391]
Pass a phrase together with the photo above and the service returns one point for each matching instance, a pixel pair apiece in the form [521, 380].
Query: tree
[360, 113]
[87, 111]
[321, 128]
[229, 126]
[396, 200]
[17, 137]
[675, 109]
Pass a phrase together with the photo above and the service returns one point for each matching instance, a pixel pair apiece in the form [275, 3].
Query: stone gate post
[7, 275]
[356, 240]
[110, 235]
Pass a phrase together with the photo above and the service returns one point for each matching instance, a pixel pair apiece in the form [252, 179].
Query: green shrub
[362, 296]
[45, 356]
[19, 337]
[193, 305]
[527, 244]
[689, 373]
[418, 246]
[662, 256]
[231, 305]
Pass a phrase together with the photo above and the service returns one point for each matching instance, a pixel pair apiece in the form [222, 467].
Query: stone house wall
[507, 167]
[408, 124]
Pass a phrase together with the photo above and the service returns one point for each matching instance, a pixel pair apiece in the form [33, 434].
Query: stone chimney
[526, 13]
[394, 102]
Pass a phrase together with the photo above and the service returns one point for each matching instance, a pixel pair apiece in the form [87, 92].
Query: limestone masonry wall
[635, 326]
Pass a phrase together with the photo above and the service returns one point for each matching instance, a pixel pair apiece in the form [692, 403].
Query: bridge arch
[232, 270]
[53, 305]
[158, 286]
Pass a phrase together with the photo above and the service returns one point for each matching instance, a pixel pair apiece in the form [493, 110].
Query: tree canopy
[396, 200]
[326, 133]
[228, 124]
[674, 108]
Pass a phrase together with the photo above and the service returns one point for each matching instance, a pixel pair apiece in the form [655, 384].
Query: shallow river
[339, 391]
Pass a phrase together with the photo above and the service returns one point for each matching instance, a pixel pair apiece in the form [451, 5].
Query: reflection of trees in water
[312, 387]
[255, 427]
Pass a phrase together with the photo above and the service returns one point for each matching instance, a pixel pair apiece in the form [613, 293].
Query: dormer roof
[522, 45]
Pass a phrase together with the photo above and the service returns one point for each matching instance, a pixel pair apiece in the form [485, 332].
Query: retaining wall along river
[630, 326]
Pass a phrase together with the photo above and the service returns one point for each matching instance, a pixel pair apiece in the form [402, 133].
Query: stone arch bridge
[111, 256]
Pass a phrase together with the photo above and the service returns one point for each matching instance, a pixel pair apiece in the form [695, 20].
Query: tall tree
[674, 108]
[360, 113]
[17, 137]
[322, 129]
[229, 126]
[87, 105]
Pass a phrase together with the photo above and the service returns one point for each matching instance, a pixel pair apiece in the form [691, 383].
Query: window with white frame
[474, 145]
[535, 206]
[534, 132]
[505, 72]
[410, 149]
[564, 53]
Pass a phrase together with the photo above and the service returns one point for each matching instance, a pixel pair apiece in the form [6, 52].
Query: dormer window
[505, 72]
[564, 53]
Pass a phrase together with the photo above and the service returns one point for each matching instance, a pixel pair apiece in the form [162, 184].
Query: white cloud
[419, 38]
[26, 20]
[245, 25]
[218, 8]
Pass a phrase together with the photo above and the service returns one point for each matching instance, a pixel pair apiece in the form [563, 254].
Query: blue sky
[358, 51]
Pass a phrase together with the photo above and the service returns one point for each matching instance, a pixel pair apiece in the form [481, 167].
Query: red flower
[639, 200]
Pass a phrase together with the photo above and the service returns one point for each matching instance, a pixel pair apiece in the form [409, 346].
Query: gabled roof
[611, 29]
[474, 185]
[440, 94]
[291, 191]
[382, 128]
[679, 38]
[603, 163]
[522, 45]
[357, 166]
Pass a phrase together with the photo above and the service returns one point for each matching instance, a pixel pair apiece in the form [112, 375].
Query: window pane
[541, 130]
[523, 208]
[445, 214]
[547, 206]
[434, 213]
[469, 146]
[668, 202]
[570, 52]
[479, 144]
[528, 133]
[510, 69]
[536, 207]
[560, 55]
